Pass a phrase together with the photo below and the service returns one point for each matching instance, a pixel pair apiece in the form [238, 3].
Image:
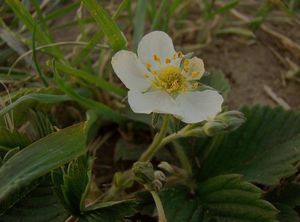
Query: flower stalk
[159, 207]
[156, 144]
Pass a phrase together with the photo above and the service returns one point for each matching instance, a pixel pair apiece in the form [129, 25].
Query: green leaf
[24, 15]
[38, 159]
[12, 139]
[261, 14]
[13, 41]
[98, 36]
[287, 213]
[10, 153]
[216, 79]
[160, 15]
[14, 76]
[108, 26]
[227, 7]
[35, 97]
[114, 211]
[103, 109]
[180, 205]
[139, 22]
[41, 123]
[264, 149]
[61, 11]
[228, 197]
[73, 185]
[94, 80]
[39, 205]
[225, 198]
[237, 31]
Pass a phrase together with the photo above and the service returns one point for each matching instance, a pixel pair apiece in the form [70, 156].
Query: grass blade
[23, 14]
[97, 37]
[90, 79]
[37, 66]
[139, 21]
[111, 30]
[41, 98]
[159, 13]
[13, 41]
[104, 110]
[62, 11]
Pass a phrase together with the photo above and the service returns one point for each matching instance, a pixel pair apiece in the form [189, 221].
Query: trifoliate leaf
[225, 198]
[114, 211]
[287, 213]
[264, 149]
[39, 205]
[72, 186]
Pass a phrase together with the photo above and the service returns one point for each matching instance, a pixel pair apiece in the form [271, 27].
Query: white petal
[156, 42]
[195, 65]
[197, 106]
[130, 70]
[154, 101]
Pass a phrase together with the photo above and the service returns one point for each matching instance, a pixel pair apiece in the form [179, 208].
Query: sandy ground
[249, 67]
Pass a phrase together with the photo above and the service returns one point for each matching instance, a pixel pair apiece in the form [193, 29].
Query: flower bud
[122, 180]
[214, 127]
[234, 119]
[143, 172]
[159, 175]
[224, 122]
[155, 185]
[166, 166]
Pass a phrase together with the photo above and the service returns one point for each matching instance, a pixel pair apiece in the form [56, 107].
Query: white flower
[162, 80]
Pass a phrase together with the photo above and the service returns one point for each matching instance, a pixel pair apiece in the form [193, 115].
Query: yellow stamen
[179, 54]
[186, 68]
[175, 56]
[186, 62]
[156, 58]
[195, 74]
[195, 85]
[148, 66]
[146, 75]
[154, 72]
[171, 80]
[168, 60]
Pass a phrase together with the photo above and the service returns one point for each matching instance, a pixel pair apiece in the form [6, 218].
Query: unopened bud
[234, 119]
[122, 180]
[224, 122]
[143, 172]
[214, 127]
[159, 175]
[155, 185]
[166, 166]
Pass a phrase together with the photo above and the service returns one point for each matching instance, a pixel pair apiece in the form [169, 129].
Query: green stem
[159, 207]
[156, 144]
[160, 142]
[111, 194]
[185, 163]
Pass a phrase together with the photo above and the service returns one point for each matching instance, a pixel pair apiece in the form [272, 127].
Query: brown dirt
[249, 66]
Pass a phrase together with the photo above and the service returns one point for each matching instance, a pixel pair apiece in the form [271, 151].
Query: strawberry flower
[161, 80]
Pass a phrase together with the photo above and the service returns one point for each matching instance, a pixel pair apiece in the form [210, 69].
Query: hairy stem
[159, 207]
[156, 144]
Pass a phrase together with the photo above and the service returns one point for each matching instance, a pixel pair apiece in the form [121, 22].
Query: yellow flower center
[170, 79]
